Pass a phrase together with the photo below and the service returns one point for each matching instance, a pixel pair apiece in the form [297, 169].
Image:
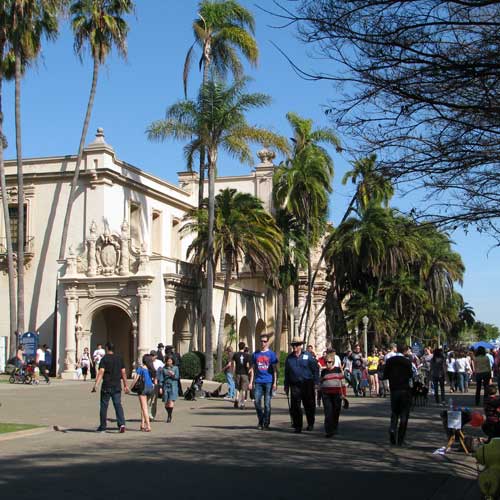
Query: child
[365, 381]
[491, 427]
[333, 390]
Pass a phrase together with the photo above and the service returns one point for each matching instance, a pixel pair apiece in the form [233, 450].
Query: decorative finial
[266, 156]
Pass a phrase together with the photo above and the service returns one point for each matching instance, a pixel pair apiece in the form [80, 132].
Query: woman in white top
[85, 363]
[450, 370]
[461, 370]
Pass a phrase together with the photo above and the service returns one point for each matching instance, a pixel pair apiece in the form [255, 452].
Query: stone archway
[182, 333]
[260, 328]
[244, 332]
[113, 324]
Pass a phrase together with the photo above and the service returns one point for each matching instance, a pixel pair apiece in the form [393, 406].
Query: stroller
[195, 389]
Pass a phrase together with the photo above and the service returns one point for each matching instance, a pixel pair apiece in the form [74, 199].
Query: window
[14, 223]
[176, 240]
[135, 225]
[156, 232]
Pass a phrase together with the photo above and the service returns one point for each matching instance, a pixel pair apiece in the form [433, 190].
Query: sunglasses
[263, 341]
[329, 362]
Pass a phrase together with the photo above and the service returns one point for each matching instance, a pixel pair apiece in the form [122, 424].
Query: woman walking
[373, 362]
[333, 390]
[450, 370]
[461, 370]
[482, 368]
[169, 377]
[85, 361]
[144, 387]
[437, 367]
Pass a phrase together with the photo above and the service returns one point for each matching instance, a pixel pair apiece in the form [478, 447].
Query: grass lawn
[4, 428]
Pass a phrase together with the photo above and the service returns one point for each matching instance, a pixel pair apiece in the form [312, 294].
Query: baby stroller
[195, 389]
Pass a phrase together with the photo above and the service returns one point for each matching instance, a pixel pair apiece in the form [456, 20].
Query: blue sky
[133, 93]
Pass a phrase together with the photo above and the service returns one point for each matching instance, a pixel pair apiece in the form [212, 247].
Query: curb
[19, 434]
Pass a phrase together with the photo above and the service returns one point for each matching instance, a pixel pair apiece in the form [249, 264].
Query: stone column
[70, 350]
[144, 337]
[134, 333]
[170, 313]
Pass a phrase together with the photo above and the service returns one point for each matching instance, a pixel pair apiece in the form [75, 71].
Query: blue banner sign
[417, 348]
[30, 343]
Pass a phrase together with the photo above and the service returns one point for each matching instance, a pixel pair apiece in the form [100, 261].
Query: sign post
[30, 342]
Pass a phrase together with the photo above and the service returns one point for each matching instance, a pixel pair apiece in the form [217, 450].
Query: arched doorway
[244, 332]
[260, 328]
[182, 333]
[112, 324]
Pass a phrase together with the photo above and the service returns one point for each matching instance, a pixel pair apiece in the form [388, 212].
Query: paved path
[212, 450]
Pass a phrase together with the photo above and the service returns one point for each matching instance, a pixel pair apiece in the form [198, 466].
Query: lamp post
[365, 320]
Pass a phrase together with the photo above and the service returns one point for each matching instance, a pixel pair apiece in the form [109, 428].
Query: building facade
[125, 277]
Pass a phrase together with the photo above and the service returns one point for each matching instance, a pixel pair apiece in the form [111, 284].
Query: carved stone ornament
[108, 253]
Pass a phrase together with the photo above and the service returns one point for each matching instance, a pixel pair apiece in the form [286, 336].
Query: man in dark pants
[112, 373]
[301, 381]
[399, 373]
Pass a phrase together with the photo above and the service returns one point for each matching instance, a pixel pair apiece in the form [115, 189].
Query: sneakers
[309, 427]
[122, 429]
[227, 398]
[100, 429]
[297, 430]
[260, 427]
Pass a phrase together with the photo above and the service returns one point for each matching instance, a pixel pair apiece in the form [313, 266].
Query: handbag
[138, 387]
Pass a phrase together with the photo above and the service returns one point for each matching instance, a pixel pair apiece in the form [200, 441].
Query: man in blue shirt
[263, 380]
[301, 381]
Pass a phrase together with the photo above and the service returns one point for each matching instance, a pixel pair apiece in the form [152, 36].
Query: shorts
[372, 372]
[242, 382]
[85, 369]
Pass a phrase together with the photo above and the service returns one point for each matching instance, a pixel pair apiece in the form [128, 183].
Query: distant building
[125, 277]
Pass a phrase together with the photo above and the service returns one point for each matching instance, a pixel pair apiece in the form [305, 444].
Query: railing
[29, 245]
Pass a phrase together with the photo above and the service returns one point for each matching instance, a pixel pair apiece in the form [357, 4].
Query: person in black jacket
[399, 373]
[301, 381]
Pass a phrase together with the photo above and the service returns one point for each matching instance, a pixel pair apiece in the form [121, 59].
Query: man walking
[40, 362]
[301, 381]
[263, 380]
[112, 373]
[399, 372]
[241, 367]
[358, 364]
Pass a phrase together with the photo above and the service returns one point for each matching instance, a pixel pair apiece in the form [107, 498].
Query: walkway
[212, 450]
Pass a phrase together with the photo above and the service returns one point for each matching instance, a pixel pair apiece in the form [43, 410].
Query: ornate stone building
[125, 277]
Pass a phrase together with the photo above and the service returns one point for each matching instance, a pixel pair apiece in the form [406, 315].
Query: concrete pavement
[213, 450]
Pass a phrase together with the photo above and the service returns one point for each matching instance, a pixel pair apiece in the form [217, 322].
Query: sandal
[147, 429]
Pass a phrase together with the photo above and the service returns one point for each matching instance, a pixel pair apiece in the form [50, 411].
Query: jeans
[484, 379]
[304, 393]
[263, 389]
[116, 396]
[356, 381]
[461, 381]
[332, 404]
[231, 391]
[438, 383]
[400, 410]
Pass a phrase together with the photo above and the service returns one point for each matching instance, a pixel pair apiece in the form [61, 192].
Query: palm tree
[216, 120]
[372, 187]
[30, 20]
[244, 232]
[302, 185]
[98, 24]
[5, 73]
[222, 29]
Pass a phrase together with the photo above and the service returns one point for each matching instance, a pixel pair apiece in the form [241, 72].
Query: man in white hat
[301, 382]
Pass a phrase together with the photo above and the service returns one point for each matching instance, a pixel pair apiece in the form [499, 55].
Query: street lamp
[365, 320]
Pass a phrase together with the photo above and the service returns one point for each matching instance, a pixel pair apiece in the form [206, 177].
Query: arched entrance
[112, 324]
[182, 333]
[244, 332]
[260, 328]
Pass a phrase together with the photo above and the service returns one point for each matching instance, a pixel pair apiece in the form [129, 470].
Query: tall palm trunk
[212, 158]
[279, 319]
[222, 318]
[8, 235]
[20, 199]
[74, 182]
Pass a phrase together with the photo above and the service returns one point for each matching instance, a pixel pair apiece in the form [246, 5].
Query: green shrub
[190, 365]
[220, 377]
[201, 357]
